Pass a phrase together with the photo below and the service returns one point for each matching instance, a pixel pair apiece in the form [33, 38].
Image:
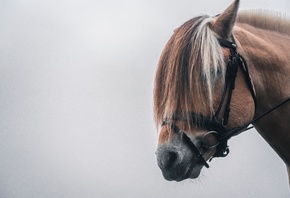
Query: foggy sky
[76, 104]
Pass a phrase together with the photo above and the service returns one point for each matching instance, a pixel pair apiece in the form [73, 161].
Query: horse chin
[177, 164]
[180, 177]
[191, 174]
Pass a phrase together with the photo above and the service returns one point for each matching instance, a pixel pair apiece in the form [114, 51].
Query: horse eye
[217, 72]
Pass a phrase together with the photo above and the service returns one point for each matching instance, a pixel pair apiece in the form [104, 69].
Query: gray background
[76, 79]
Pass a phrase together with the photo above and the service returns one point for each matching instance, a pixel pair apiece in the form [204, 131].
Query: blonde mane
[267, 20]
[188, 70]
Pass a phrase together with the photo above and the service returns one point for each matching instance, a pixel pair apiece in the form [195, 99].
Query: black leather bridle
[212, 124]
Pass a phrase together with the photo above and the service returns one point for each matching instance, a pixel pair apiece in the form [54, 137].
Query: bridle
[212, 125]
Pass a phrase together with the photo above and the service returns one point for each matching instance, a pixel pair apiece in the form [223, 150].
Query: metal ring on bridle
[208, 133]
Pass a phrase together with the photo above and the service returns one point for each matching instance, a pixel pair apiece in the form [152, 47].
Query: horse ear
[224, 23]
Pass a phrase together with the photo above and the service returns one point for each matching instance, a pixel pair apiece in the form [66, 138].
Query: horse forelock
[188, 69]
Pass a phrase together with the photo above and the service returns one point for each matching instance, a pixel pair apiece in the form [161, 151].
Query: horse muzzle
[177, 162]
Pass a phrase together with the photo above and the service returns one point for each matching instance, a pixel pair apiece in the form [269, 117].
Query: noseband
[211, 124]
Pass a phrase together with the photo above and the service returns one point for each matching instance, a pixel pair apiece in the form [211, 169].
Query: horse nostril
[167, 160]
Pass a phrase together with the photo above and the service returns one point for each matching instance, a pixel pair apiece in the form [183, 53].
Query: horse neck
[267, 54]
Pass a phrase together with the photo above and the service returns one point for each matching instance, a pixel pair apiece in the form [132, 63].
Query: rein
[245, 126]
[211, 124]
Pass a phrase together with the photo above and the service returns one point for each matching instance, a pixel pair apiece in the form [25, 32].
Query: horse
[216, 76]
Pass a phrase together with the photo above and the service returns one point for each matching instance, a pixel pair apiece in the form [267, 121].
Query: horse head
[195, 92]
